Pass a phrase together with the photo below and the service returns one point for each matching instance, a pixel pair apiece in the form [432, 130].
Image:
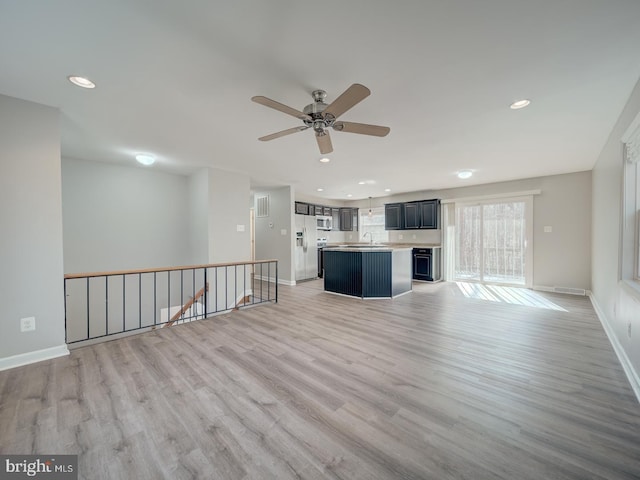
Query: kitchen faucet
[370, 237]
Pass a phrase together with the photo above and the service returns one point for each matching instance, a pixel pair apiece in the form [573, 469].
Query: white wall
[199, 216]
[617, 305]
[119, 217]
[270, 243]
[31, 260]
[229, 195]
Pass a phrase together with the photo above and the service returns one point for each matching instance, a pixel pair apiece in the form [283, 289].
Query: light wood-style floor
[431, 385]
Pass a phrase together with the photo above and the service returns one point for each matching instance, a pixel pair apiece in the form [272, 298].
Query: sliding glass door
[492, 242]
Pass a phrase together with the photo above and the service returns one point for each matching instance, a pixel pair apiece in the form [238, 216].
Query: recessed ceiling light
[320, 189]
[361, 183]
[465, 174]
[349, 195]
[520, 104]
[81, 81]
[325, 160]
[145, 159]
[387, 189]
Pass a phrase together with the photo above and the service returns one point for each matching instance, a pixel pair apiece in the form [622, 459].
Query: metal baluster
[139, 300]
[155, 302]
[205, 293]
[124, 303]
[106, 304]
[226, 287]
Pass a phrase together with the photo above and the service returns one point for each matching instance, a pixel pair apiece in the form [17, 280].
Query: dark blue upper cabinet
[430, 214]
[394, 216]
[412, 215]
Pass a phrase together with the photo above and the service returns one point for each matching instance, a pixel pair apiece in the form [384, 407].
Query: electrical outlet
[400, 236]
[27, 324]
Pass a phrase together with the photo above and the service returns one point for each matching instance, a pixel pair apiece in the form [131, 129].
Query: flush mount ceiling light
[465, 174]
[349, 195]
[325, 160]
[387, 189]
[361, 183]
[320, 189]
[520, 104]
[81, 81]
[145, 159]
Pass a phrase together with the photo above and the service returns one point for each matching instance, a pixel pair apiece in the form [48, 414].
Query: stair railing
[103, 305]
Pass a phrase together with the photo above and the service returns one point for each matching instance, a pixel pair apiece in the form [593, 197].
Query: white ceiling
[176, 78]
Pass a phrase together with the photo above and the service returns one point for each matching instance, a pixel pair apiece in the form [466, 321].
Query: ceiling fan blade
[267, 102]
[349, 98]
[324, 142]
[361, 128]
[282, 133]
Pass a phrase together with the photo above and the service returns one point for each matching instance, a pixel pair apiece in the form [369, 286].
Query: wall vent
[262, 206]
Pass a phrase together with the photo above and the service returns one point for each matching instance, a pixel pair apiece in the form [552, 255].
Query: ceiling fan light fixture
[81, 81]
[464, 174]
[520, 104]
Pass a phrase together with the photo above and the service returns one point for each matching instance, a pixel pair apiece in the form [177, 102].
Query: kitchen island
[368, 271]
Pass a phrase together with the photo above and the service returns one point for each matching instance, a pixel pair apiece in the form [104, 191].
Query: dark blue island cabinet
[368, 272]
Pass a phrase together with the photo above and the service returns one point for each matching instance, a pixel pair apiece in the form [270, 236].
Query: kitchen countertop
[381, 246]
[365, 248]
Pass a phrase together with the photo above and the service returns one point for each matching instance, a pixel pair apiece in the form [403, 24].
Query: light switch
[283, 232]
[240, 228]
[548, 229]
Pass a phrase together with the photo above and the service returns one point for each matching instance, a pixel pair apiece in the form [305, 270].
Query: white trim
[481, 198]
[33, 357]
[629, 371]
[264, 278]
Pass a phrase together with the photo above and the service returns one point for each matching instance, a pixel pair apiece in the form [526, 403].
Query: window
[372, 226]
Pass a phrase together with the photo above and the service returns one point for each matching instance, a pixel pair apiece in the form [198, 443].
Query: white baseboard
[264, 278]
[33, 357]
[630, 372]
[567, 290]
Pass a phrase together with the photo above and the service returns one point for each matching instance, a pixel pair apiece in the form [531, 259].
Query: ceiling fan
[320, 116]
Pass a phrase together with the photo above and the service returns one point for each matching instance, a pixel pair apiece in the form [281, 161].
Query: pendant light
[370, 211]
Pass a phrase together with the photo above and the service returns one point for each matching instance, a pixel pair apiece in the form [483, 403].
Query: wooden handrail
[69, 276]
[187, 305]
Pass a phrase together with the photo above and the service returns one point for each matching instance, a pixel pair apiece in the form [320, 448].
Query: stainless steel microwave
[323, 223]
